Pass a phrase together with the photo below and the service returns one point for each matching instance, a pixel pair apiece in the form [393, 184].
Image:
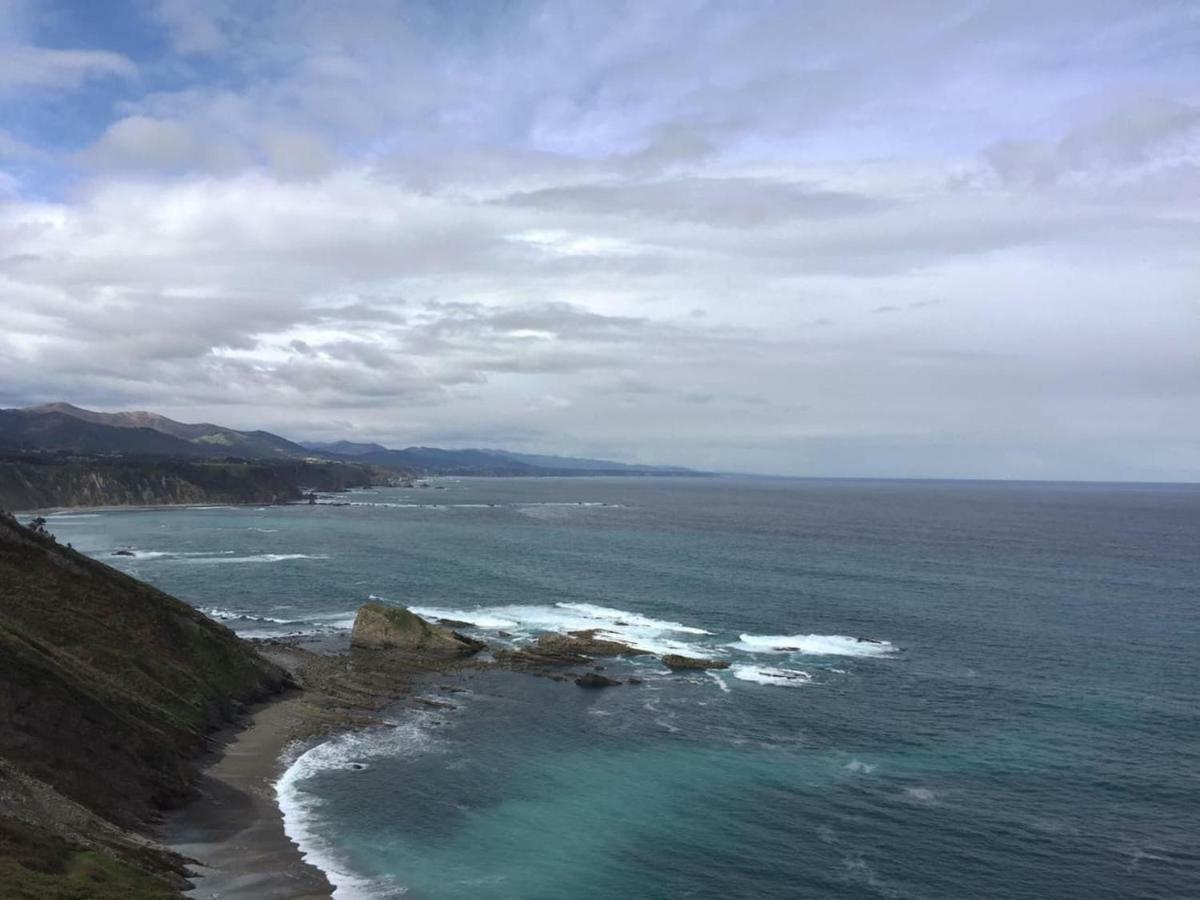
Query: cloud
[942, 239]
[27, 66]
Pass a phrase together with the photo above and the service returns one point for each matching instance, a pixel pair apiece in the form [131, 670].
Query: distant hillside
[22, 430]
[343, 448]
[108, 688]
[61, 427]
[436, 461]
[203, 439]
[576, 463]
[40, 481]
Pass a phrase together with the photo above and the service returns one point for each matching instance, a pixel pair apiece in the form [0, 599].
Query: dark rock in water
[674, 661]
[573, 649]
[597, 668]
[123, 553]
[503, 634]
[863, 640]
[592, 680]
[358, 766]
[633, 681]
[474, 645]
[583, 642]
[433, 704]
[455, 623]
[380, 627]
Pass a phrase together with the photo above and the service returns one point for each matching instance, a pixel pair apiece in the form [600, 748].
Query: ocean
[1022, 720]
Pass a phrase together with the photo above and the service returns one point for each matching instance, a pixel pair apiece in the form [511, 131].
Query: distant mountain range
[61, 427]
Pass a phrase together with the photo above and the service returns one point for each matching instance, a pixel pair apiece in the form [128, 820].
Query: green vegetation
[108, 691]
[35, 865]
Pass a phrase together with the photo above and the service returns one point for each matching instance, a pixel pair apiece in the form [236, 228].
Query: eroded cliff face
[94, 481]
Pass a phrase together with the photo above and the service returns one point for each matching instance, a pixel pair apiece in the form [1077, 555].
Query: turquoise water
[1027, 728]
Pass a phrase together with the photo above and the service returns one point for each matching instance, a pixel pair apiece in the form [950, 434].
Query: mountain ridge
[63, 427]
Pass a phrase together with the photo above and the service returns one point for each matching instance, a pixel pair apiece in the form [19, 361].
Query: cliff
[38, 481]
[108, 690]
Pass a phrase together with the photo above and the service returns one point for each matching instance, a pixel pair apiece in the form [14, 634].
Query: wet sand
[234, 830]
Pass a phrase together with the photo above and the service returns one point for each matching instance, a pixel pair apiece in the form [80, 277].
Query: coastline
[233, 831]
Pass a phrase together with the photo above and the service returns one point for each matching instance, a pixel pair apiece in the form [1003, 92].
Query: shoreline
[233, 832]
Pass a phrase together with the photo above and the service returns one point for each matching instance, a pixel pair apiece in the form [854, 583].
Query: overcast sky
[899, 238]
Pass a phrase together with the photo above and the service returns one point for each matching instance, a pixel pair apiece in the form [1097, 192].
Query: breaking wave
[301, 806]
[770, 675]
[638, 631]
[812, 645]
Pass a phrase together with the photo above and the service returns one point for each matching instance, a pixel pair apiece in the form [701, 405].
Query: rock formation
[381, 627]
[674, 661]
[592, 680]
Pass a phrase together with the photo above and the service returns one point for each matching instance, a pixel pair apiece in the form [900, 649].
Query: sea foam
[301, 807]
[812, 645]
[770, 675]
[638, 631]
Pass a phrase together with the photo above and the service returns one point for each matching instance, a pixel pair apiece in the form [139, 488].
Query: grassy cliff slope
[108, 690]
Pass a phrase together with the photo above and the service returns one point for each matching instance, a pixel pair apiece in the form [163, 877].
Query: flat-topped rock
[675, 661]
[381, 627]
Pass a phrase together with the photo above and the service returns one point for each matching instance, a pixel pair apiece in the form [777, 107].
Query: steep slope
[206, 438]
[108, 690]
[107, 685]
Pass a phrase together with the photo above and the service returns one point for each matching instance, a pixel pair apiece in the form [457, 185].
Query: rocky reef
[675, 661]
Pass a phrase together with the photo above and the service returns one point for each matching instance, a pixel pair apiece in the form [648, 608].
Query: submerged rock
[582, 642]
[380, 627]
[123, 553]
[592, 680]
[675, 661]
[571, 649]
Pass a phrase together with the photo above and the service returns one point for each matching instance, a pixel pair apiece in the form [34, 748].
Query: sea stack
[381, 627]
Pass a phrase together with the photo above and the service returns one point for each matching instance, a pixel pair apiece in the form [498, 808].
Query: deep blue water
[1030, 729]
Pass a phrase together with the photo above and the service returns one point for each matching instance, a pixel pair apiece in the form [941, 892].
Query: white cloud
[27, 66]
[540, 227]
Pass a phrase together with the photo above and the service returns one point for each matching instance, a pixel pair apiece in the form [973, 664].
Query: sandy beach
[234, 830]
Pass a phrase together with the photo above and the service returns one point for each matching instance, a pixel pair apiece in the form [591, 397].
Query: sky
[908, 239]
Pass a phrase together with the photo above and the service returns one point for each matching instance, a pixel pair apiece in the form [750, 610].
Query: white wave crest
[301, 807]
[257, 558]
[812, 645]
[638, 631]
[770, 675]
[228, 615]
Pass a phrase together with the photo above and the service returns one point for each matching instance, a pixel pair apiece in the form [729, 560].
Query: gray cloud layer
[944, 239]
